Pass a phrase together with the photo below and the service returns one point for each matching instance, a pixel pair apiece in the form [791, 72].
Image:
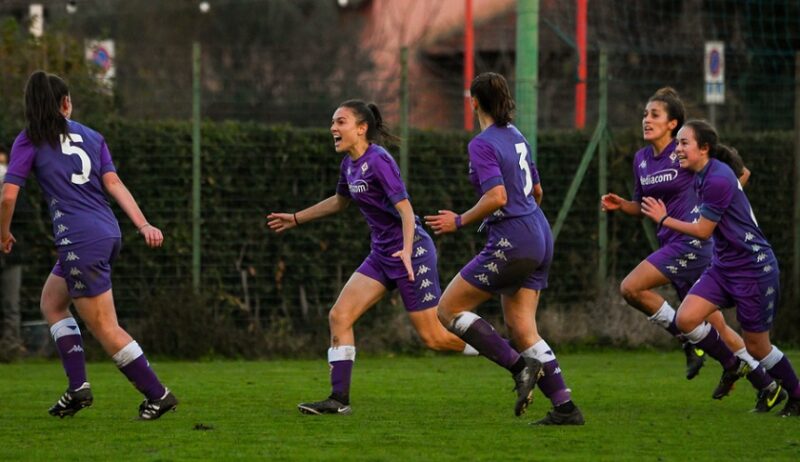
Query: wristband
[458, 222]
[296, 223]
[661, 221]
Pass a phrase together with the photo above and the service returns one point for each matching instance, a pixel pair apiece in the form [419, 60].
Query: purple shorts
[682, 262]
[756, 299]
[517, 254]
[424, 292]
[87, 269]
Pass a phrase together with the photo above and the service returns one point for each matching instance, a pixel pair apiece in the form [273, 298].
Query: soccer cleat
[695, 357]
[555, 417]
[72, 401]
[153, 409]
[791, 409]
[729, 378]
[524, 382]
[767, 399]
[328, 406]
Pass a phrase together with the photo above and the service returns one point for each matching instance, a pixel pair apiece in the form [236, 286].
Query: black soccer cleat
[153, 409]
[695, 358]
[791, 409]
[767, 399]
[327, 406]
[729, 378]
[72, 401]
[555, 417]
[524, 382]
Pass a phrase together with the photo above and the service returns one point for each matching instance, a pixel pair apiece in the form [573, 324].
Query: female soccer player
[516, 259]
[743, 271]
[73, 166]
[680, 259]
[402, 254]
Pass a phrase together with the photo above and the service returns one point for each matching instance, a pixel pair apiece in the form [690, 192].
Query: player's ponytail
[371, 115]
[43, 96]
[706, 135]
[494, 97]
[673, 105]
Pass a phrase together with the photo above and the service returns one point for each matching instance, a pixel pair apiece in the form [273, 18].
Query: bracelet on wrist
[662, 220]
[296, 223]
[458, 222]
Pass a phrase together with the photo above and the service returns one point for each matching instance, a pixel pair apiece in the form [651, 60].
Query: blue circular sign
[714, 62]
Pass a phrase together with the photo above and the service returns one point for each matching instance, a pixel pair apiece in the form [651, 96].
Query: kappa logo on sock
[75, 349]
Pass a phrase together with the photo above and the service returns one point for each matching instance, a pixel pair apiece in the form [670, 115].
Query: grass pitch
[638, 406]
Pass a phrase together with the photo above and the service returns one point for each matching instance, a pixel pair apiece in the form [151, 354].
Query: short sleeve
[23, 153]
[342, 187]
[716, 196]
[535, 174]
[484, 163]
[387, 173]
[106, 164]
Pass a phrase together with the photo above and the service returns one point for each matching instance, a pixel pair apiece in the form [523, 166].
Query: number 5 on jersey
[86, 163]
[522, 150]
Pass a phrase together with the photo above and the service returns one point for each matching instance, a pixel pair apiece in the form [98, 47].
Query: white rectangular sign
[714, 66]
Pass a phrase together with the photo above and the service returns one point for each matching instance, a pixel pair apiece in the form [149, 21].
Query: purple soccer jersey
[681, 258]
[740, 247]
[661, 177]
[373, 182]
[501, 155]
[70, 175]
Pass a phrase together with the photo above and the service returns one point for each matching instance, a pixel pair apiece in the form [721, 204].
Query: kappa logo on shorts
[417, 238]
[428, 297]
[79, 285]
[500, 255]
[426, 283]
[683, 263]
[53, 202]
[756, 247]
[61, 228]
[74, 272]
[761, 257]
[696, 209]
[504, 243]
[771, 305]
[672, 269]
[749, 237]
[71, 257]
[57, 215]
[420, 251]
[422, 270]
[492, 266]
[483, 278]
[768, 268]
[770, 291]
[498, 213]
[65, 241]
[696, 243]
[690, 256]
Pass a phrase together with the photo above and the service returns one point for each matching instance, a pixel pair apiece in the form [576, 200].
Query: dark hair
[706, 135]
[494, 97]
[369, 114]
[675, 109]
[43, 95]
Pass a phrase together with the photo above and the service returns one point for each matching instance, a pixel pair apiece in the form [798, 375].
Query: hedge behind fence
[263, 293]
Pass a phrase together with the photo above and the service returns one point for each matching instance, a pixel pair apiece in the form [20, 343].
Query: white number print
[522, 150]
[86, 163]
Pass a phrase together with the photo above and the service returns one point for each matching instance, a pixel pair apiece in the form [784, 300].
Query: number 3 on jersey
[86, 163]
[522, 150]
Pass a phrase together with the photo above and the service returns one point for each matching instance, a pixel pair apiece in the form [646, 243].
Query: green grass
[637, 405]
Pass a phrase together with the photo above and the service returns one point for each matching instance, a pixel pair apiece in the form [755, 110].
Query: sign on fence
[715, 72]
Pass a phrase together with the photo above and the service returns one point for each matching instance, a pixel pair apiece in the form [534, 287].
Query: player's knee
[339, 317]
[444, 315]
[686, 322]
[629, 291]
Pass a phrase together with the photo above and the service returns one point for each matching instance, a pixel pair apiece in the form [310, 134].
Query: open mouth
[336, 140]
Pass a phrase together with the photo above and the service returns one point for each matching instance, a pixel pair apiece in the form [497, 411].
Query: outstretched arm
[445, 221]
[280, 222]
[611, 202]
[117, 189]
[7, 205]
